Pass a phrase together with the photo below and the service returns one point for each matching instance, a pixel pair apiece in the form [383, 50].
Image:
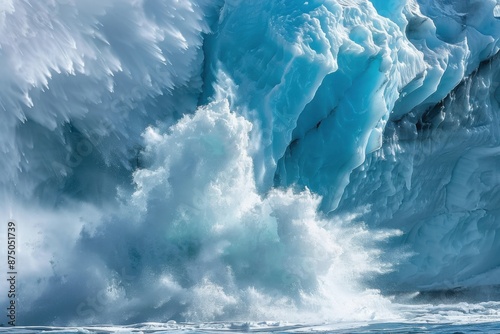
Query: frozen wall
[288, 160]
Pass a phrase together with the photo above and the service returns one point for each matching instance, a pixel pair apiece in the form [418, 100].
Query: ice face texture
[202, 160]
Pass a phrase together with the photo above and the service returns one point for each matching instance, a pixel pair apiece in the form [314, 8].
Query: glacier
[205, 160]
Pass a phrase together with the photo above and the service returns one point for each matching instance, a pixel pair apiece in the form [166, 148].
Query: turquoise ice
[206, 160]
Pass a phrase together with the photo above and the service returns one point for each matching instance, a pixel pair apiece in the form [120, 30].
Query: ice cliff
[200, 160]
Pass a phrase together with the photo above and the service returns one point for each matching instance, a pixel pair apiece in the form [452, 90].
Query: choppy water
[268, 327]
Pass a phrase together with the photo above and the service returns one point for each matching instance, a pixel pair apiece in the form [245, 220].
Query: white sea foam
[196, 241]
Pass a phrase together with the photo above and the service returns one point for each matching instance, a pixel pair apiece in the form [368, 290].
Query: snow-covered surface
[206, 160]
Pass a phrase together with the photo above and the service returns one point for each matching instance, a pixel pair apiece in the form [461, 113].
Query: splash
[195, 241]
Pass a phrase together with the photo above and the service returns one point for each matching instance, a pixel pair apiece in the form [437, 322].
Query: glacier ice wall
[436, 178]
[206, 160]
[325, 77]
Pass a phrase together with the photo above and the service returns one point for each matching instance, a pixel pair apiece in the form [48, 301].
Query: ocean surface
[189, 328]
[418, 318]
